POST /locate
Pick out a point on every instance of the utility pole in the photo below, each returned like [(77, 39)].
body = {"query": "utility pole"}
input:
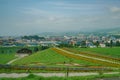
[(67, 71)]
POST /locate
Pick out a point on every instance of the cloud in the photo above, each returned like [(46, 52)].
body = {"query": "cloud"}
[(114, 12), (33, 11), (116, 17), (52, 18), (73, 6), (115, 9)]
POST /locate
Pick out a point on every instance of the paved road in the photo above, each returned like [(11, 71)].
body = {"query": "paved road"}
[(100, 59), (16, 75)]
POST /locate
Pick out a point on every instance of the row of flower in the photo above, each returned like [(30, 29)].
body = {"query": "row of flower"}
[(93, 55), (109, 64)]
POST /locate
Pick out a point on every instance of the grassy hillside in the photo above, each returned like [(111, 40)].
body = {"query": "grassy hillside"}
[(49, 57), (113, 52)]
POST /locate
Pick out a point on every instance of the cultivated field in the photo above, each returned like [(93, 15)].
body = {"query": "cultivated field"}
[(111, 52), (59, 59), (50, 58), (88, 57)]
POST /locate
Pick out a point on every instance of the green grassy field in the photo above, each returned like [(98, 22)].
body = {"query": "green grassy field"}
[(4, 58), (49, 57), (8, 53), (112, 52), (8, 50), (15, 49)]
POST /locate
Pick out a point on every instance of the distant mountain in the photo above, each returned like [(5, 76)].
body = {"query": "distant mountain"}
[(73, 33), (110, 31)]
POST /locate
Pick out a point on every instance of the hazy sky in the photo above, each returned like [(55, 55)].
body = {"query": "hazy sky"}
[(22, 17)]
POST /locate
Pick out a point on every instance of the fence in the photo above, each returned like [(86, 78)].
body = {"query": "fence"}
[(46, 68)]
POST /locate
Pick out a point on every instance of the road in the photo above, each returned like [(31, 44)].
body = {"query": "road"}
[(16, 75)]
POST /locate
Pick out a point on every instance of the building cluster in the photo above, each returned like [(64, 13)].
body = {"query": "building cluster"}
[(80, 40)]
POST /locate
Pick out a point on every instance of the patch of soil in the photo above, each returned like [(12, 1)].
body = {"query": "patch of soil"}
[(67, 64)]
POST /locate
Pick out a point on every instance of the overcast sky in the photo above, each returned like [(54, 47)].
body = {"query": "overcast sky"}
[(24, 17)]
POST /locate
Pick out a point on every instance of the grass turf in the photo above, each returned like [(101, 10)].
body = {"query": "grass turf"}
[(112, 52), (4, 58)]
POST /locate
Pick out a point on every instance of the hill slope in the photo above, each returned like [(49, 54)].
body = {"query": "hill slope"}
[(49, 57)]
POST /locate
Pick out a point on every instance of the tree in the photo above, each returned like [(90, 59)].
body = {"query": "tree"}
[(111, 43), (97, 43), (36, 37), (44, 47), (107, 44), (36, 49), (117, 43), (83, 44), (2, 51)]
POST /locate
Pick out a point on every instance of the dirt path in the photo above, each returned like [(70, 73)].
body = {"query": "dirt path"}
[(18, 57), (14, 60), (16, 75)]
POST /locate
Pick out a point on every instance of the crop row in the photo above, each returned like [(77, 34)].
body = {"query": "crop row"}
[(93, 55), (109, 64)]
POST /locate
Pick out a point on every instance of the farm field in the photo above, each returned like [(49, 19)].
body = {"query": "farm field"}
[(56, 58), (90, 58), (50, 57), (112, 52)]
